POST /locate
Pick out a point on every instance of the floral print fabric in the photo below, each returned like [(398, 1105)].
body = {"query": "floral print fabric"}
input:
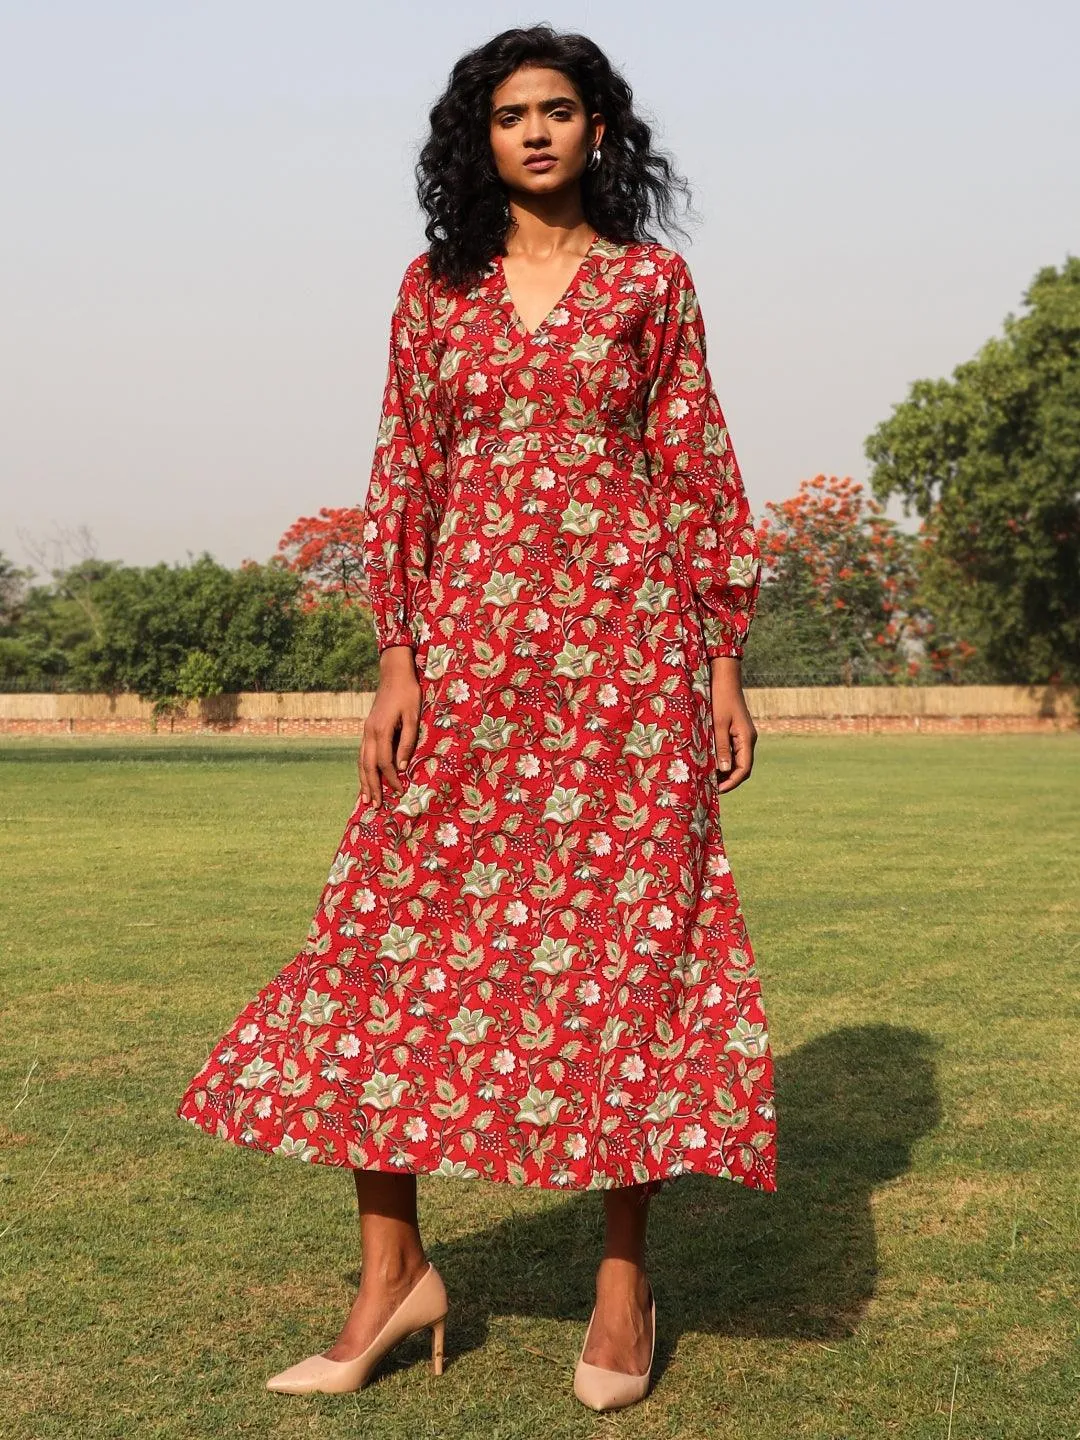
[(532, 966)]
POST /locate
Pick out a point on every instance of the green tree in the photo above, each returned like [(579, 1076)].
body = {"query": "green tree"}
[(52, 629), (13, 585), (181, 631), (333, 648), (991, 461), (154, 618)]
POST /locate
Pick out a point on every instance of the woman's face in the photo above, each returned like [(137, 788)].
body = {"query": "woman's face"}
[(541, 136)]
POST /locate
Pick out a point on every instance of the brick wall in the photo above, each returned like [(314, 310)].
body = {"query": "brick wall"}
[(927, 710)]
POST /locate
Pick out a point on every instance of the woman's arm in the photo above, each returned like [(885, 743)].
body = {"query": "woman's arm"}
[(405, 500), (697, 480)]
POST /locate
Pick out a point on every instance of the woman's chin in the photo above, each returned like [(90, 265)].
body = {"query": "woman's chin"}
[(548, 182)]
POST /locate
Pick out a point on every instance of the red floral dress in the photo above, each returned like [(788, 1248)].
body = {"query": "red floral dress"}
[(532, 966)]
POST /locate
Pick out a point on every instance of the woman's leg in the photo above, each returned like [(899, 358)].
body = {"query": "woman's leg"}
[(392, 1257), (620, 1336)]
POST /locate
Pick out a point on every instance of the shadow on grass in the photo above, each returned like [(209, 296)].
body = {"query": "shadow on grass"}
[(798, 1263)]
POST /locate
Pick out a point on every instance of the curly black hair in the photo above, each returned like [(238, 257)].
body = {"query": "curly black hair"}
[(459, 187)]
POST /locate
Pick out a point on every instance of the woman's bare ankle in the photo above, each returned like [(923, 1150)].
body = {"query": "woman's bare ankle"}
[(394, 1269)]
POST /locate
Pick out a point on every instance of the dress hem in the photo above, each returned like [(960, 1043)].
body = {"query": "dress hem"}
[(599, 1180)]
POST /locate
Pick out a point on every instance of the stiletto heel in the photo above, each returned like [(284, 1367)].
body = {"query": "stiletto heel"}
[(602, 1389), (425, 1305)]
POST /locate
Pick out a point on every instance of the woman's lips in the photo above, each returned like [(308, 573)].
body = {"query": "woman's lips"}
[(542, 162)]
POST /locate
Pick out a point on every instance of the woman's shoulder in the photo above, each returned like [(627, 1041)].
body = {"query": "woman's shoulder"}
[(421, 278), (416, 293), (648, 257), (418, 270)]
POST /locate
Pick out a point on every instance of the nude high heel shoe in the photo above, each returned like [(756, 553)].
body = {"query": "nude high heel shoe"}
[(425, 1305), (602, 1389)]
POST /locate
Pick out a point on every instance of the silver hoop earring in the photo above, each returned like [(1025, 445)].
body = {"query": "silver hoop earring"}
[(594, 160)]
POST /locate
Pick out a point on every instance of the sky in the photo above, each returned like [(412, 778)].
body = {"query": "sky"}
[(208, 207)]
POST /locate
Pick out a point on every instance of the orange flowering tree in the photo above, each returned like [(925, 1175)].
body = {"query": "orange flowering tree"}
[(839, 599), (325, 549)]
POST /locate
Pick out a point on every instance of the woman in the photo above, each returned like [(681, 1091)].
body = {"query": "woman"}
[(529, 963)]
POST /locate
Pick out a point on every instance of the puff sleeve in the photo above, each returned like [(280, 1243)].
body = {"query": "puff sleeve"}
[(407, 491), (692, 466)]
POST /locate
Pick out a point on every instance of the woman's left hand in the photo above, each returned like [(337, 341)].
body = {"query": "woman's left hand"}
[(735, 732)]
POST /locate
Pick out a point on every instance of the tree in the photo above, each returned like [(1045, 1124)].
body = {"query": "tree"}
[(991, 460), (837, 603), (333, 648), (181, 631), (74, 580), (327, 552), (13, 584), (155, 617)]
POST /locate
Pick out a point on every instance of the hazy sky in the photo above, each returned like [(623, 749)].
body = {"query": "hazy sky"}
[(207, 208)]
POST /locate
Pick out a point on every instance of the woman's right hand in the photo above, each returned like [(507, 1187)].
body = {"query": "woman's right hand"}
[(396, 703)]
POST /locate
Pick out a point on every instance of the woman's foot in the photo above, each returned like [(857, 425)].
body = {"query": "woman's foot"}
[(621, 1336), (383, 1286)]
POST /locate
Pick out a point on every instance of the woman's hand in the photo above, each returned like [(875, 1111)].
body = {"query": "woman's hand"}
[(734, 729), (396, 703)]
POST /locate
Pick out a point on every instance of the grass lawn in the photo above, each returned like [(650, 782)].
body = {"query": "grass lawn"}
[(913, 905)]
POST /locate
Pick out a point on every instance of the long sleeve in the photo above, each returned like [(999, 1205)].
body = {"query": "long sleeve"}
[(407, 491), (693, 469)]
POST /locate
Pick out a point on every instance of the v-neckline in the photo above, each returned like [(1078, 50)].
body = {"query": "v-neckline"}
[(571, 283)]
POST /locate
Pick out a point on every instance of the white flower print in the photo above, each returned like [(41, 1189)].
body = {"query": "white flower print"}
[(527, 968)]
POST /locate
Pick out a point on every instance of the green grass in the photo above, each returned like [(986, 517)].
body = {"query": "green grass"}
[(912, 903)]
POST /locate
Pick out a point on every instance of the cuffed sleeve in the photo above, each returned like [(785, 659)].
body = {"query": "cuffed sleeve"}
[(694, 473)]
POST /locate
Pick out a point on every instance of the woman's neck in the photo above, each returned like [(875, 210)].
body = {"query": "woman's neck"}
[(540, 226)]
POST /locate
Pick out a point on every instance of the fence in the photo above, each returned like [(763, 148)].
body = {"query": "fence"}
[(937, 709)]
